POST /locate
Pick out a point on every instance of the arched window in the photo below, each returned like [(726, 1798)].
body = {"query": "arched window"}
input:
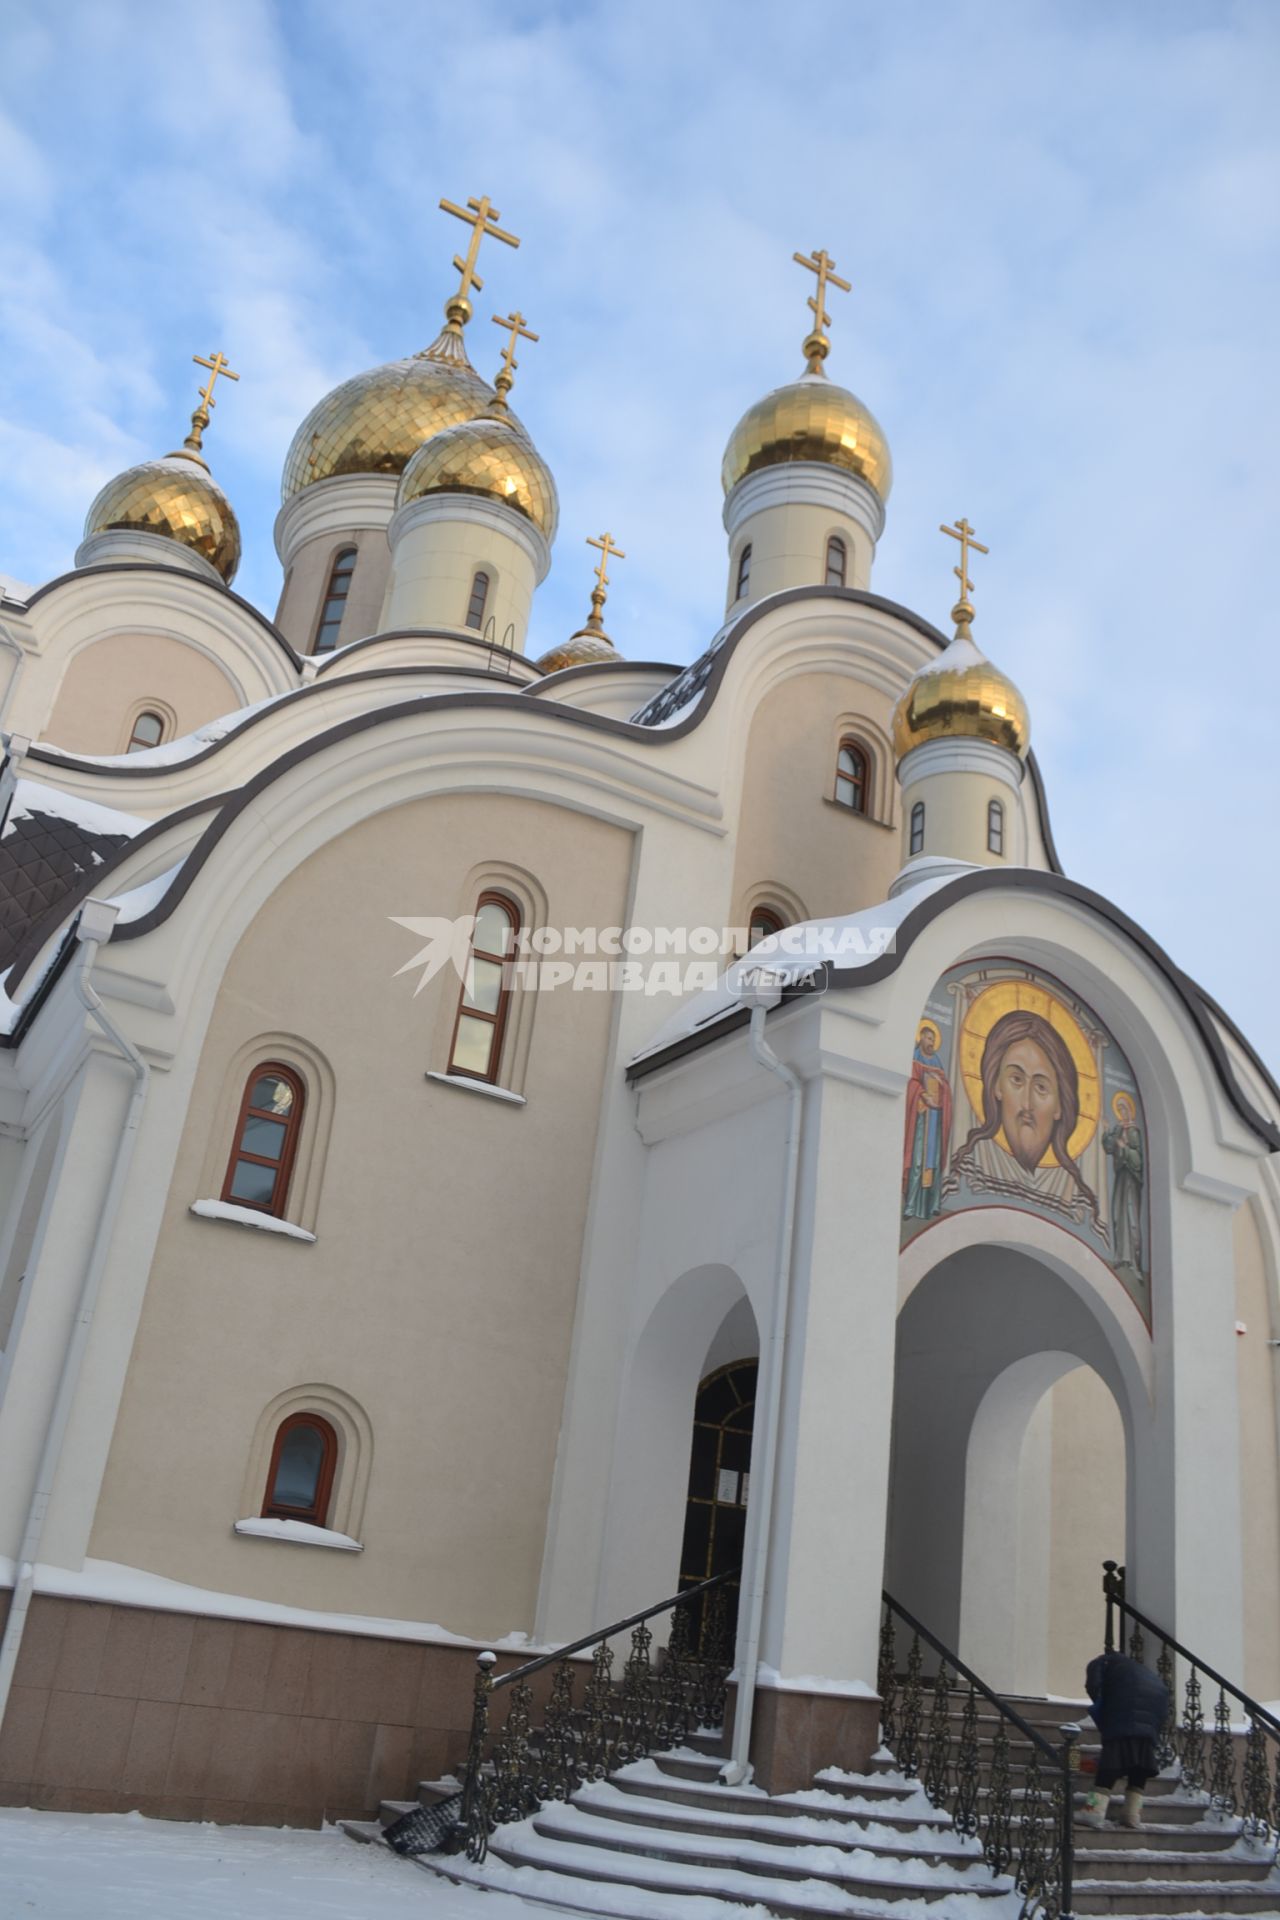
[(300, 1477), (744, 573), (852, 776), (837, 555), (266, 1139), (482, 1004), (995, 826), (148, 731), (917, 827), (765, 921), (335, 600), (479, 597)]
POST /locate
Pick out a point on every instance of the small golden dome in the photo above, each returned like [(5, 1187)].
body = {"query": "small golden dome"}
[(493, 458), (584, 649), (811, 419), (375, 422), (961, 695), (178, 498)]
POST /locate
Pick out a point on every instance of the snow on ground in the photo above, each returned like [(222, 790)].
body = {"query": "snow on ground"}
[(120, 1866)]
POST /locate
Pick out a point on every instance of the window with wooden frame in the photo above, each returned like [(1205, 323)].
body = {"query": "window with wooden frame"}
[(478, 601), (837, 561), (476, 1049), (148, 731), (853, 776), (266, 1140), (744, 573), (300, 1477), (916, 843), (995, 826), (764, 922), (335, 600)]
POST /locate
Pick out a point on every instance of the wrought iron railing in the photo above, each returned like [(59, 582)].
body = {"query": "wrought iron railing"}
[(512, 1771), (1253, 1789), (1024, 1831)]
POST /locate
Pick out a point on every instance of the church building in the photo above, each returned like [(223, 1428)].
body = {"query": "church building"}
[(487, 1142)]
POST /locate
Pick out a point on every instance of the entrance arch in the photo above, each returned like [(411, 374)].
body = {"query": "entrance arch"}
[(995, 1350)]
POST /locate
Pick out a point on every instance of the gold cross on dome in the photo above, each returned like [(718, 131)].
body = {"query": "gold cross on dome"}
[(483, 219), (607, 548), (824, 266), (961, 530), (514, 323), (219, 364)]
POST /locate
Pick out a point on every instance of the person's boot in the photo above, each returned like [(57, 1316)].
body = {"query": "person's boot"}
[(1131, 1812), (1094, 1812)]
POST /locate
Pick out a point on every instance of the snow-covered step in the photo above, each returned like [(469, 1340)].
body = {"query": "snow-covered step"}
[(1164, 1899), (769, 1821), (904, 1801), (562, 1893), (1167, 1837), (1116, 1864)]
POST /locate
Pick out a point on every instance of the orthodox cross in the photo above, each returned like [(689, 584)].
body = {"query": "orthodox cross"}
[(515, 325), (821, 263), (482, 219), (962, 612), (219, 364), (607, 550)]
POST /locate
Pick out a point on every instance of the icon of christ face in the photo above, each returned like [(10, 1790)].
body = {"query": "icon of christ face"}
[(1030, 1101)]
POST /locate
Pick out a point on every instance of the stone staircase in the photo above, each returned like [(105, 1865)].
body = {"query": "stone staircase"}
[(663, 1838)]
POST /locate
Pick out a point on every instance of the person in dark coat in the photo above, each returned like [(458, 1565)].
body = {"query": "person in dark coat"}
[(1129, 1706)]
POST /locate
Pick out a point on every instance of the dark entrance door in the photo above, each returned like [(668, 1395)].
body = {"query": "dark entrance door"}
[(719, 1477)]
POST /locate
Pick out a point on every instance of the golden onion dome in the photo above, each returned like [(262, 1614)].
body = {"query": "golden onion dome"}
[(583, 649), (492, 458), (176, 497), (811, 419), (960, 695), (376, 421)]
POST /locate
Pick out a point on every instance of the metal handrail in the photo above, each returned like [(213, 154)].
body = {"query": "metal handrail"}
[(610, 1633), (954, 1660), (1256, 1712)]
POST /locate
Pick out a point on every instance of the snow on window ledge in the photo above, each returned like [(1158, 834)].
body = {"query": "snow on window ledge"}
[(300, 1532), (248, 1217), (478, 1086)]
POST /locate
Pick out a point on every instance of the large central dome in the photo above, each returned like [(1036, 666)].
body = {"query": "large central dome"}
[(376, 421)]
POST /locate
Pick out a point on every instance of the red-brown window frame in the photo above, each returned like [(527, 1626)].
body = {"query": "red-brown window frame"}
[(317, 1514), (147, 713), (861, 786), (743, 581), (475, 614), (995, 827), (758, 916), (841, 546), (292, 1125), (342, 567), (498, 1020)]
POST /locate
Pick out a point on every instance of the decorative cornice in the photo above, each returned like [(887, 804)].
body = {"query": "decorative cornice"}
[(805, 483), (345, 503), (477, 511), (132, 547), (960, 755)]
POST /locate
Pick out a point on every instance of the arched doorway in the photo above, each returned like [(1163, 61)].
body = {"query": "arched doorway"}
[(719, 1476)]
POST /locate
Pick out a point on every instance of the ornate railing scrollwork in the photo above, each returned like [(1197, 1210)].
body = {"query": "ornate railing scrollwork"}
[(654, 1704), (1026, 1831)]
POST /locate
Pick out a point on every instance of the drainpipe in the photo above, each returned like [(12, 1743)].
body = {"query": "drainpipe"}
[(15, 647), (738, 1767), (97, 917), (16, 748)]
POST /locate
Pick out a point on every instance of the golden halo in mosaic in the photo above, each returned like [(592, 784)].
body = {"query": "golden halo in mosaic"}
[(493, 459), (176, 497), (811, 419), (583, 649), (376, 421), (962, 696)]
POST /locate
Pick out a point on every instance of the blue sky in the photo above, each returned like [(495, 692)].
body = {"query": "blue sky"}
[(1061, 225)]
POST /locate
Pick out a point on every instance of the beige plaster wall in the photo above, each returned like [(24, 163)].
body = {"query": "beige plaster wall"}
[(1259, 1474), (1088, 1510), (440, 1292), (789, 549), (307, 582), (432, 571), (791, 830), (107, 684), (955, 817)]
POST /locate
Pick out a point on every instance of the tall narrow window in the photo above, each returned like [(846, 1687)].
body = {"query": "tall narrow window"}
[(266, 1139), (765, 921), (836, 559), (917, 827), (300, 1477), (482, 1005), (852, 770), (479, 597), (148, 731), (995, 826), (744, 573), (335, 600)]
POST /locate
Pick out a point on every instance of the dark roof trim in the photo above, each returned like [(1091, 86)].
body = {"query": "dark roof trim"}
[(562, 674), (1006, 880), (152, 566), (489, 647)]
